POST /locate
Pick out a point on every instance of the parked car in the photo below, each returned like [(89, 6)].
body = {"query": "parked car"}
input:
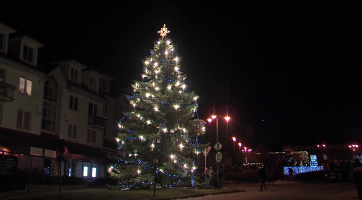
[(338, 173)]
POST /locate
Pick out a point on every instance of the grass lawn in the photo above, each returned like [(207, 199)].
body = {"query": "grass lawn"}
[(105, 194)]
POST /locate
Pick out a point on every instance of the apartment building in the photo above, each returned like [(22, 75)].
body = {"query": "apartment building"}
[(21, 97), (65, 104)]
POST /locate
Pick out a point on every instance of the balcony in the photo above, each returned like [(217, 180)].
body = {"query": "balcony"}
[(6, 92), (97, 121)]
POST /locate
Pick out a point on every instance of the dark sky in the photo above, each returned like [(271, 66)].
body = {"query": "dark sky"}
[(295, 65)]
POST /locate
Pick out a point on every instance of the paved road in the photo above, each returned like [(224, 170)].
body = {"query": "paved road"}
[(296, 191)]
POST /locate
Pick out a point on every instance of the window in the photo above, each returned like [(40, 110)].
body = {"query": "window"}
[(105, 108), (73, 102), (23, 120), (94, 172), (2, 41), (73, 74), (1, 111), (85, 171), (103, 131), (49, 104), (93, 83), (2, 75), (92, 109), (2, 79), (91, 136), (104, 84), (72, 131), (28, 53), (25, 86)]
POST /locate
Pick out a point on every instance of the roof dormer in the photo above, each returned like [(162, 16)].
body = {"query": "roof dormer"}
[(4, 37), (25, 48), (72, 70), (104, 84)]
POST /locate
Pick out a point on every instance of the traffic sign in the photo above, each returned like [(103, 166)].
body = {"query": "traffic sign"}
[(287, 149), (218, 157), (219, 146), (206, 151)]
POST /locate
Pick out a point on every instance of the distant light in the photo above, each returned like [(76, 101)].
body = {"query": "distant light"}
[(262, 120), (209, 120), (227, 118), (234, 139), (213, 116)]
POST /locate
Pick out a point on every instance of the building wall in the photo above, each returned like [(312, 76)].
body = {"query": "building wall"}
[(32, 104)]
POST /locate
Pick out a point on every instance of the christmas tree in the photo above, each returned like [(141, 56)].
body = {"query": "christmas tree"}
[(163, 125)]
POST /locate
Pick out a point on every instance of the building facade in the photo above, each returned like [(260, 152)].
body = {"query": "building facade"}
[(59, 119)]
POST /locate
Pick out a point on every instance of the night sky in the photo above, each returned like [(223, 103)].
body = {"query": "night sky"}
[(285, 70)]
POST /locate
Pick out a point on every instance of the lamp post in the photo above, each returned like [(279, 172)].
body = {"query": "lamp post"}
[(353, 147), (213, 116), (234, 139), (239, 146)]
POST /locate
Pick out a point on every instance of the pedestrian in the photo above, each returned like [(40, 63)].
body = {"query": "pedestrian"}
[(211, 174), (262, 177), (357, 176)]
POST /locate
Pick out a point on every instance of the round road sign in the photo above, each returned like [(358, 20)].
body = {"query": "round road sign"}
[(288, 149)]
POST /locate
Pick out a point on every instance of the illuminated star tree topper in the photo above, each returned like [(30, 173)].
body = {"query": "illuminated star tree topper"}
[(163, 32)]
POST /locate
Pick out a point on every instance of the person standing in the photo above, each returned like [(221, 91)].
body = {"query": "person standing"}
[(211, 173), (357, 176), (262, 177)]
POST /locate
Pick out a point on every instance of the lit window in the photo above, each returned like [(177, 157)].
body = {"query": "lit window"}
[(73, 102), (72, 131), (70, 172), (25, 86), (23, 120), (28, 53), (91, 136), (73, 74), (94, 172), (2, 41), (85, 171)]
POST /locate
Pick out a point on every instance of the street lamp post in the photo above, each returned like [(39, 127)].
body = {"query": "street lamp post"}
[(353, 147), (234, 139), (213, 116)]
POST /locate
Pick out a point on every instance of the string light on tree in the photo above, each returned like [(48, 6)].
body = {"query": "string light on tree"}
[(152, 129)]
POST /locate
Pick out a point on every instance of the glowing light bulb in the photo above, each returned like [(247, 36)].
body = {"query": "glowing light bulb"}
[(117, 139), (138, 116), (168, 42), (158, 42), (165, 130), (141, 137), (166, 52), (176, 69), (185, 166), (203, 129), (147, 95), (134, 105), (184, 130), (157, 88), (176, 106), (146, 70), (183, 86), (156, 64), (136, 85), (195, 98), (156, 71), (156, 109), (172, 156), (146, 62), (169, 87), (181, 146), (176, 59), (172, 49), (139, 172), (152, 145), (148, 121), (177, 83)]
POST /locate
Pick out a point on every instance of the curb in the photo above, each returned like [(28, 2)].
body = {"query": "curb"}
[(199, 195)]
